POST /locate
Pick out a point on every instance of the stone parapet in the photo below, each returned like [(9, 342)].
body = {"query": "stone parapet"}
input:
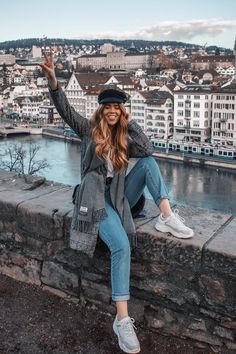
[(184, 288)]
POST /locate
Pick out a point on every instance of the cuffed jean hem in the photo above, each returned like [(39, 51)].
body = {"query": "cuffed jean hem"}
[(120, 297), (160, 199)]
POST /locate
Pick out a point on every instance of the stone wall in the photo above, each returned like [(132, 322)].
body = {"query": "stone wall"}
[(184, 288)]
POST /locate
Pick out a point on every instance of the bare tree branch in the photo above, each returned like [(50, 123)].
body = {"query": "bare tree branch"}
[(23, 161)]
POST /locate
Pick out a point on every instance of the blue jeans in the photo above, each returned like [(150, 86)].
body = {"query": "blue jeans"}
[(145, 173)]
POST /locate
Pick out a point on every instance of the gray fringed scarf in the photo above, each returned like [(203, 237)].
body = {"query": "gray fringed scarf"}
[(89, 207)]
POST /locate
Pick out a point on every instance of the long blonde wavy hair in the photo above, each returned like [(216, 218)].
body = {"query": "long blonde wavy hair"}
[(113, 141)]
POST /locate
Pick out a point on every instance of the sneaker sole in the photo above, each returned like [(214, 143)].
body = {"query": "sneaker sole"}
[(164, 228), (122, 346)]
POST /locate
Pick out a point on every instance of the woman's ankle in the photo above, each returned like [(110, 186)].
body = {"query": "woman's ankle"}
[(120, 317), (122, 309)]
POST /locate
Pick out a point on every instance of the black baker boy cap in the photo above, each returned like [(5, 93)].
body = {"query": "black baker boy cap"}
[(112, 96)]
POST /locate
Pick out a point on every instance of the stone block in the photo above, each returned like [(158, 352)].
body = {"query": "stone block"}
[(159, 270), (56, 276), (220, 252), (6, 236), (149, 212), (12, 194), (230, 345), (21, 268), (39, 217), (228, 323), (223, 332), (198, 325), (210, 314), (219, 292), (91, 302), (71, 259), (67, 223), (136, 308), (212, 288), (53, 247), (10, 226), (139, 270), (164, 248), (164, 291), (96, 291), (56, 292), (205, 337), (93, 277), (163, 320), (172, 274), (181, 324)]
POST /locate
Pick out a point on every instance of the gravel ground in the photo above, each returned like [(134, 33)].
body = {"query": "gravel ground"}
[(33, 321)]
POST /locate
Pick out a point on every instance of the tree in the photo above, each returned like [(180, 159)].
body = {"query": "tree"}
[(23, 160)]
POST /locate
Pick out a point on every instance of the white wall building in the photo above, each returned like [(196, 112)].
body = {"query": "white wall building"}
[(30, 106), (229, 71), (82, 89), (76, 95), (36, 52), (7, 59), (48, 114), (107, 48), (153, 111), (224, 116), (137, 109), (115, 61), (192, 114), (91, 103)]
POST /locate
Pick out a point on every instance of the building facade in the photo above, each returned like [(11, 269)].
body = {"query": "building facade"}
[(224, 116), (206, 62), (153, 111), (7, 59), (192, 114), (123, 61)]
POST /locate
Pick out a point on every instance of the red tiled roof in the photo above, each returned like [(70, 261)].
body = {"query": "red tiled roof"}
[(91, 79)]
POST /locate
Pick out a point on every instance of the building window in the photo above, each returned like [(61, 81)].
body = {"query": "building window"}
[(196, 123)]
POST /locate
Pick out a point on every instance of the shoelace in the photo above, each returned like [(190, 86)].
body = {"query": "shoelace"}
[(180, 218), (129, 326)]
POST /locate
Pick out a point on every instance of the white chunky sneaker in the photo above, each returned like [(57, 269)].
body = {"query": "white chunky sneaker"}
[(127, 338), (174, 224)]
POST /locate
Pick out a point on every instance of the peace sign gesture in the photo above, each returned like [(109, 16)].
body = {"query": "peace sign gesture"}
[(48, 69)]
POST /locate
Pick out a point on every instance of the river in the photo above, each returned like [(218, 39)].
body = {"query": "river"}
[(191, 185)]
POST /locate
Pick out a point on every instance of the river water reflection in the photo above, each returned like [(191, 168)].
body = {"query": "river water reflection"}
[(191, 185)]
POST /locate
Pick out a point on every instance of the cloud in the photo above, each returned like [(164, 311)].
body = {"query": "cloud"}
[(171, 30)]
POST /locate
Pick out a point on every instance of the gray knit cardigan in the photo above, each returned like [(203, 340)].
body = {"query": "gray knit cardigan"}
[(89, 208)]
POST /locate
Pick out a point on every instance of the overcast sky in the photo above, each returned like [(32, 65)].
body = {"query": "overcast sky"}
[(193, 21)]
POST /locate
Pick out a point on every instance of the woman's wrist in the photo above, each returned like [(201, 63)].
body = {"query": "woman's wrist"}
[(53, 84)]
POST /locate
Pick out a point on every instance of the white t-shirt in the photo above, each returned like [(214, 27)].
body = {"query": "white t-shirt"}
[(110, 168)]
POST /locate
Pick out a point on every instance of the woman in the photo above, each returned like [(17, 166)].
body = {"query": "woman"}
[(107, 193)]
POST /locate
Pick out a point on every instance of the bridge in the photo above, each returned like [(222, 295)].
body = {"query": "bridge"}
[(4, 132)]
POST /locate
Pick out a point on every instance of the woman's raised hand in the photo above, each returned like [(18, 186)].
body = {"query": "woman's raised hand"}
[(48, 69)]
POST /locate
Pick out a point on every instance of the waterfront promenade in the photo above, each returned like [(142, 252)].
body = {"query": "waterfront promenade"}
[(170, 155), (197, 160)]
